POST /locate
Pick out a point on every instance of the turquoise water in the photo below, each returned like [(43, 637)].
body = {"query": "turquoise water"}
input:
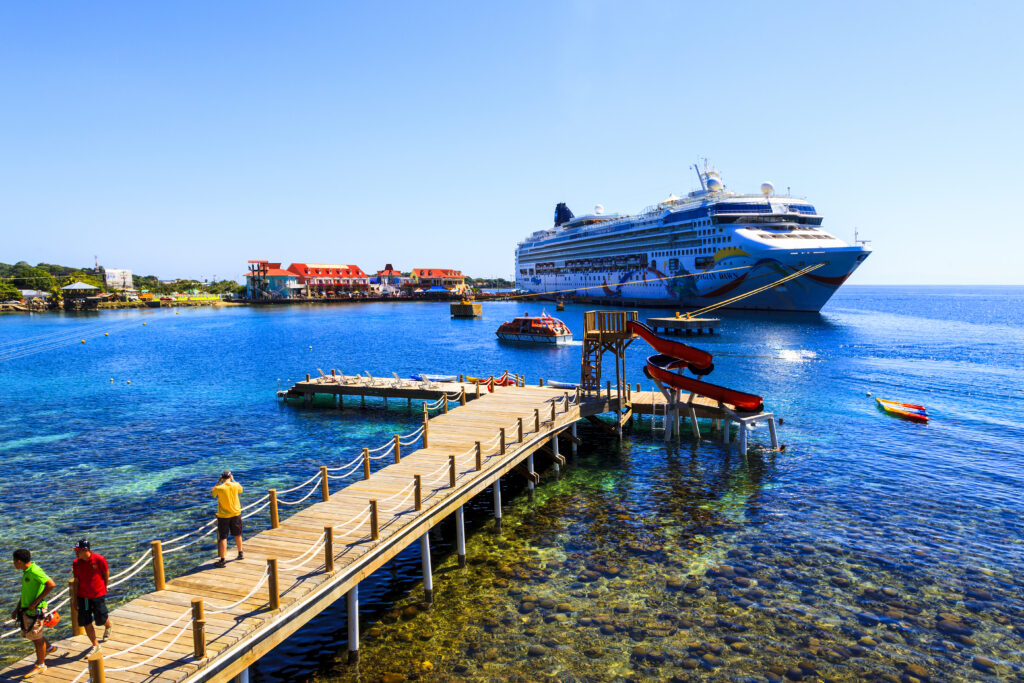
[(871, 547)]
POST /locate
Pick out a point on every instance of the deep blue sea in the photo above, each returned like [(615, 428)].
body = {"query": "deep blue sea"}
[(872, 548)]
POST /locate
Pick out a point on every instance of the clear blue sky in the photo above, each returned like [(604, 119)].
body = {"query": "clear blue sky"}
[(182, 139)]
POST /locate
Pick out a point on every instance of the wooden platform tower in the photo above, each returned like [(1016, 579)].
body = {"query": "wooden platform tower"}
[(606, 331)]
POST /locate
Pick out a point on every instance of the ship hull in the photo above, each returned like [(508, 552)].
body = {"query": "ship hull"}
[(728, 278)]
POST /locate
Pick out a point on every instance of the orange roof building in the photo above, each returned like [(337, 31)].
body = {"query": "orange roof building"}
[(438, 277), (327, 277)]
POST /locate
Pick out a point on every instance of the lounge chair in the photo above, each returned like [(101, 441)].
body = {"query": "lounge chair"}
[(399, 382)]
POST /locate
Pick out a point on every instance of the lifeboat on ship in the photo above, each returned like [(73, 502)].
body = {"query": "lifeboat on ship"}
[(542, 329)]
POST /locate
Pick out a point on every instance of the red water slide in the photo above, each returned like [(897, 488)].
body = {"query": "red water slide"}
[(674, 355)]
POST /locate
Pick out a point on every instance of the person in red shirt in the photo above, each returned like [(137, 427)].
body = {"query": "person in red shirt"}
[(92, 573)]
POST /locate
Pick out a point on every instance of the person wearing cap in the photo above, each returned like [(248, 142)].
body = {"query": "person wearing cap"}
[(35, 586), (92, 573), (229, 515)]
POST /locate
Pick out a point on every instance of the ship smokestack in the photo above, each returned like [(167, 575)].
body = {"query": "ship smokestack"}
[(562, 214)]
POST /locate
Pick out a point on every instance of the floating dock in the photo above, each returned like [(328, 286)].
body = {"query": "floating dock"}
[(684, 325), (466, 309)]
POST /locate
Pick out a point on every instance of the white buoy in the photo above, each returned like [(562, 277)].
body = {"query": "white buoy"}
[(111, 380), (869, 393), (310, 348)]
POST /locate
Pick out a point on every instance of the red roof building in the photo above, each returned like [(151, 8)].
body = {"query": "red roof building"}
[(438, 277), (324, 278)]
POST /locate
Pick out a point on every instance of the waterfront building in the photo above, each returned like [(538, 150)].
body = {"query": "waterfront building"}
[(425, 278), (266, 280), (118, 278), (79, 295), (388, 281), (326, 279)]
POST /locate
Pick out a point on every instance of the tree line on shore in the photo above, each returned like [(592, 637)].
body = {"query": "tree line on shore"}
[(49, 277)]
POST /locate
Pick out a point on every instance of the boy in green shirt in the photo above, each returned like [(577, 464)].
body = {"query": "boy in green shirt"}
[(35, 586)]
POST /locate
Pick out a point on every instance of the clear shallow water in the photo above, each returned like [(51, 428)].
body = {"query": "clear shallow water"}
[(870, 547)]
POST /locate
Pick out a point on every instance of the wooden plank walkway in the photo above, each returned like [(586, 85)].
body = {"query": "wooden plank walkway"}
[(158, 625)]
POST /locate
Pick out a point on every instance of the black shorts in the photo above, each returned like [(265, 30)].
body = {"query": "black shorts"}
[(229, 526), (92, 611)]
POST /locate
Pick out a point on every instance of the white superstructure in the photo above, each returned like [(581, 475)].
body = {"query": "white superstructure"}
[(692, 251)]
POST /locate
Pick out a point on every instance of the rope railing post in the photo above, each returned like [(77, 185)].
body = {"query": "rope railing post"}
[(158, 565), (540, 382), (565, 400), (198, 629), (76, 628), (501, 443), (552, 412), (366, 463), (275, 519), (477, 388), (96, 674), (451, 471), (275, 593), (577, 394), (426, 425), (329, 549), (462, 396), (374, 522), (444, 402), (479, 456), (398, 448), (520, 423), (325, 492), (418, 495), (536, 419)]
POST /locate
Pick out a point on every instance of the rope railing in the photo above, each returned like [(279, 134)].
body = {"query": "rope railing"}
[(316, 485), (168, 551), (355, 465), (311, 552), (357, 459), (134, 569), (303, 484), (257, 510), (388, 450), (411, 486), (259, 584), (355, 523), (131, 648), (412, 437)]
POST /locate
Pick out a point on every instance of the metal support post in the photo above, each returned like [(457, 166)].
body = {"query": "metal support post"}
[(460, 536), (428, 577)]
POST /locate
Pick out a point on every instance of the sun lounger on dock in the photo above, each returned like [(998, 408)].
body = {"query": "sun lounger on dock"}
[(399, 382), (375, 381)]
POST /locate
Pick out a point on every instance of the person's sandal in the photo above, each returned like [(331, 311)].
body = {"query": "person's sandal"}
[(106, 633), (36, 670)]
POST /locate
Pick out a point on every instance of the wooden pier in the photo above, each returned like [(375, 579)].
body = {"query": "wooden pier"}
[(212, 624), (681, 324)]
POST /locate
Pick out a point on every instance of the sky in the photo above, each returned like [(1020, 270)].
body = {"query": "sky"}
[(183, 139)]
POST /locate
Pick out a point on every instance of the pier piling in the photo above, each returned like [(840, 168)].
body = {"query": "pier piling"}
[(275, 521), (398, 448), (366, 463), (428, 576), (325, 492), (272, 584), (352, 602), (198, 629), (460, 536)]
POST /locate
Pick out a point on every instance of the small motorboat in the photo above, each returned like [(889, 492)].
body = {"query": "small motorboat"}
[(435, 378), (560, 306), (908, 411), (542, 329)]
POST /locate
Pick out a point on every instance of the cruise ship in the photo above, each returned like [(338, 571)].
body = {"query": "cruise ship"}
[(709, 247)]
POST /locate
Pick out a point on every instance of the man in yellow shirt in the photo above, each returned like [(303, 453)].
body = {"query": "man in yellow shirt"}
[(229, 515)]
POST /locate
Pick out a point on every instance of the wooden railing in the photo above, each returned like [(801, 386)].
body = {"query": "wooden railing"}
[(607, 325)]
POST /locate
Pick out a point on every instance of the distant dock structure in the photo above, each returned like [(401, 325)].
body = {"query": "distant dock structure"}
[(681, 324)]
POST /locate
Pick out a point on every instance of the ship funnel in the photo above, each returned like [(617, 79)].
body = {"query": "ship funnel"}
[(562, 214)]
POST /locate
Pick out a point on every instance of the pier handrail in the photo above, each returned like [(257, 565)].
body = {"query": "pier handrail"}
[(259, 584), (412, 436), (312, 490), (354, 465), (317, 544), (296, 488), (388, 449)]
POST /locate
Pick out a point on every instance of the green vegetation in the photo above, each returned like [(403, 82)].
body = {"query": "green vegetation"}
[(490, 283), (9, 292), (50, 278)]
